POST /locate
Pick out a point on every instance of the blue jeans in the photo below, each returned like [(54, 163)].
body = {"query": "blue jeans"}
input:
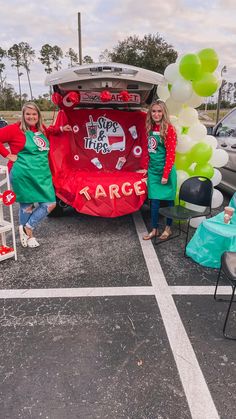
[(31, 215), (155, 205)]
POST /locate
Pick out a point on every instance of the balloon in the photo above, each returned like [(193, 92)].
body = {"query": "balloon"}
[(204, 170), (56, 98), (163, 92), (188, 116), (173, 107), (184, 143), (201, 152), (171, 72), (217, 177), (182, 161), (181, 90), (195, 222), (194, 101), (212, 141), (217, 198), (190, 67), (205, 86), (191, 168), (197, 131), (219, 158), (182, 175), (209, 59)]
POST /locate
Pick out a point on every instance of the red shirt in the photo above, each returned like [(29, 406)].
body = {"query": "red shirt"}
[(170, 145), (15, 137)]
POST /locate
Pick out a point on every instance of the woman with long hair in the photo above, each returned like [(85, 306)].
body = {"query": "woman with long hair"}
[(162, 180), (29, 169)]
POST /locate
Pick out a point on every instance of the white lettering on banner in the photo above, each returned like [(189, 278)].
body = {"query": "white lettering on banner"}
[(115, 191), (94, 97)]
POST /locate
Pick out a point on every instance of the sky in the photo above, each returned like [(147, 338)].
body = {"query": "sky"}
[(188, 25)]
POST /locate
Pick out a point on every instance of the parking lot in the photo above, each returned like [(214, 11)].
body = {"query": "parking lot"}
[(97, 323)]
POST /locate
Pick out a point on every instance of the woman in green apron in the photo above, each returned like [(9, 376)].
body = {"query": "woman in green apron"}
[(29, 169), (162, 179)]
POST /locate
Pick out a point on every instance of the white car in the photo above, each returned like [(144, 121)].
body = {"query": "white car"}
[(225, 133)]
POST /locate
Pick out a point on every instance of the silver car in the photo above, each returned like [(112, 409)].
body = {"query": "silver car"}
[(225, 133)]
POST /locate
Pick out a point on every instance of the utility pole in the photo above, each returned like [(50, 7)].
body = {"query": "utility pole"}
[(79, 39), (223, 70)]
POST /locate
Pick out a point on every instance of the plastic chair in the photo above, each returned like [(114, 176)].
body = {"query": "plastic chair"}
[(228, 266), (196, 190)]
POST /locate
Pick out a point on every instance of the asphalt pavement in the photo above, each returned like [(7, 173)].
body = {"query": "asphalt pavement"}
[(96, 323)]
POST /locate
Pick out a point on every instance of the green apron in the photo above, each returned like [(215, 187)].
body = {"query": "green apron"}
[(157, 154), (31, 175)]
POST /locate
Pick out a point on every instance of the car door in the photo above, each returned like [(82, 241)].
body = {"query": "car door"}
[(225, 133)]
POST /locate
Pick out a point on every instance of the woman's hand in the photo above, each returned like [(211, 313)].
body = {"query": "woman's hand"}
[(164, 181), (66, 128), (12, 157)]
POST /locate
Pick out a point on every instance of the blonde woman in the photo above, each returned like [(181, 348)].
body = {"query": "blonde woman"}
[(161, 169), (29, 169)]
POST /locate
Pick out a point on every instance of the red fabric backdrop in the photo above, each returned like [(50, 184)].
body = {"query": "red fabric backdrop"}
[(95, 167)]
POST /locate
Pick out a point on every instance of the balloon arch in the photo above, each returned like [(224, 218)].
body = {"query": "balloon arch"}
[(186, 83)]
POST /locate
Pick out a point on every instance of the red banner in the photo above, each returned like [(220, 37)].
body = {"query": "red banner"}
[(96, 167)]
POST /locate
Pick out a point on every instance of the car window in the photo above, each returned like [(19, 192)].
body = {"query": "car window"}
[(227, 127)]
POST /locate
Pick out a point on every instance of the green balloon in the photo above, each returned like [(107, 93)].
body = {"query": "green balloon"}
[(206, 86), (190, 67), (209, 59), (204, 170), (201, 153), (182, 161)]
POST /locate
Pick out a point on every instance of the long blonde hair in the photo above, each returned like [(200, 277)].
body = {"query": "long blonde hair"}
[(165, 121), (31, 105)]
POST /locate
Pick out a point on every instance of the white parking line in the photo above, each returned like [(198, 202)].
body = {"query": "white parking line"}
[(75, 292), (107, 291), (197, 393)]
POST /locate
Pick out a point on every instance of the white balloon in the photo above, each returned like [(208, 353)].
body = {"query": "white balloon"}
[(217, 177), (173, 107), (217, 199), (219, 158), (174, 120), (163, 92), (195, 222), (184, 143), (197, 131), (209, 139), (181, 177), (171, 72), (194, 101), (188, 116), (181, 90)]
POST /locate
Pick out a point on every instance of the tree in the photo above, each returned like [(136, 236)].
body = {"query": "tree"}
[(9, 100), (50, 57), (27, 57), (14, 54), (151, 52), (87, 59), (2, 68), (105, 56), (73, 57), (56, 56)]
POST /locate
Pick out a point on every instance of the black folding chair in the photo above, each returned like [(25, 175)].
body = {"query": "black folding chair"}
[(228, 267), (196, 190)]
